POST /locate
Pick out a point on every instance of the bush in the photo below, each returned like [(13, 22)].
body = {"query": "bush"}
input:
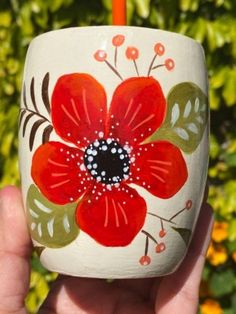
[(213, 24)]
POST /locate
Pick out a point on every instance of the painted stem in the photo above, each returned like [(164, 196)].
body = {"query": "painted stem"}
[(136, 67), (119, 12), (115, 58), (151, 65), (149, 236), (164, 219), (175, 215), (36, 113), (157, 66), (113, 69), (146, 245)]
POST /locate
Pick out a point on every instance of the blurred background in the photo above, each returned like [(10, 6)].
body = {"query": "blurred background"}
[(210, 22)]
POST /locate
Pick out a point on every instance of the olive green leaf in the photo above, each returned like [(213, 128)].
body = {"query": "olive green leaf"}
[(50, 225), (186, 118), (184, 233), (39, 250)]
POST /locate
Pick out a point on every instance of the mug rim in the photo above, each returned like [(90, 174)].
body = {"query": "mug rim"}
[(118, 27)]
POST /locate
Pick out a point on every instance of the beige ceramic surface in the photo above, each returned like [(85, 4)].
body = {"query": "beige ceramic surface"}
[(74, 51)]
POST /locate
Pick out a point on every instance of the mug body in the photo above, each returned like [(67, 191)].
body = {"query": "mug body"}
[(113, 132)]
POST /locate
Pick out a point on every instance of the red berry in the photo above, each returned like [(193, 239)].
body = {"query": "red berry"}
[(132, 53), (169, 64), (145, 260), (100, 55), (188, 204), (160, 247), (162, 233), (159, 49), (118, 40)]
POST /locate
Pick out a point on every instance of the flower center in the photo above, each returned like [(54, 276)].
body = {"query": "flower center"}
[(107, 161)]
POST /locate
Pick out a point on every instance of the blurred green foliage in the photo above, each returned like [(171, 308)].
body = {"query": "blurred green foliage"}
[(213, 24)]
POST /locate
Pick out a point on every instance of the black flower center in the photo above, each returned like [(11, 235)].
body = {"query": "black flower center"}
[(107, 161)]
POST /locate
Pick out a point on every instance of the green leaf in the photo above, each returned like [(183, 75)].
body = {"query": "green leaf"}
[(186, 117), (184, 233), (143, 8), (50, 225), (222, 283)]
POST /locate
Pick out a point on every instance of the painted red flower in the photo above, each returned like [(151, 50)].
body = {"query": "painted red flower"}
[(106, 153)]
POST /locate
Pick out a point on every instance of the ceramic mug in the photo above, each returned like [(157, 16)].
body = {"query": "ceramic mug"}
[(113, 134)]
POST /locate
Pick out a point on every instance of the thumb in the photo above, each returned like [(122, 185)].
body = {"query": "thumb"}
[(15, 250)]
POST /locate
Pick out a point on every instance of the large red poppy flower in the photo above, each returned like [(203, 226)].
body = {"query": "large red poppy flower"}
[(106, 155)]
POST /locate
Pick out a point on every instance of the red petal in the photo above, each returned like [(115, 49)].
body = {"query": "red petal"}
[(113, 218), (137, 109), (160, 168), (78, 108), (59, 172)]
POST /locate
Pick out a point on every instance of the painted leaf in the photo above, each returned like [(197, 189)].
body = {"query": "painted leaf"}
[(39, 250), (50, 225), (184, 233), (186, 117)]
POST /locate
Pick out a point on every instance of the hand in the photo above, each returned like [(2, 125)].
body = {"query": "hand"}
[(176, 293)]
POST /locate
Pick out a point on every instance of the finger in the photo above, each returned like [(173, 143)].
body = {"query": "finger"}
[(178, 293), (15, 248)]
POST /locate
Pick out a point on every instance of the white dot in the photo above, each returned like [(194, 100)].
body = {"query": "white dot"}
[(103, 173), (101, 110), (96, 143), (138, 169), (114, 179), (68, 153), (73, 156), (125, 169), (137, 178), (104, 147), (67, 159), (95, 166), (117, 123), (98, 179), (152, 145), (124, 202), (122, 156), (109, 140), (149, 186), (89, 201), (117, 185), (90, 158), (89, 151), (108, 187), (149, 129), (94, 152), (120, 150), (89, 166), (68, 134), (100, 134), (112, 116), (126, 176), (82, 167), (93, 172), (61, 149), (71, 199), (113, 150), (132, 159)]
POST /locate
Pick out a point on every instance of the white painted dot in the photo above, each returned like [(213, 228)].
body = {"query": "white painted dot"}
[(120, 150), (113, 150), (117, 123), (132, 159), (103, 173), (100, 134), (71, 199), (124, 202), (122, 156), (104, 147), (99, 179), (149, 186), (68, 153), (67, 159), (94, 152), (89, 201), (61, 149), (131, 196), (90, 158), (82, 167), (137, 178), (109, 140), (89, 166), (89, 151), (95, 166), (96, 143), (112, 116), (108, 187), (117, 185), (78, 142), (72, 156), (152, 145), (93, 172), (68, 134), (85, 138), (138, 169), (126, 176), (114, 179)]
